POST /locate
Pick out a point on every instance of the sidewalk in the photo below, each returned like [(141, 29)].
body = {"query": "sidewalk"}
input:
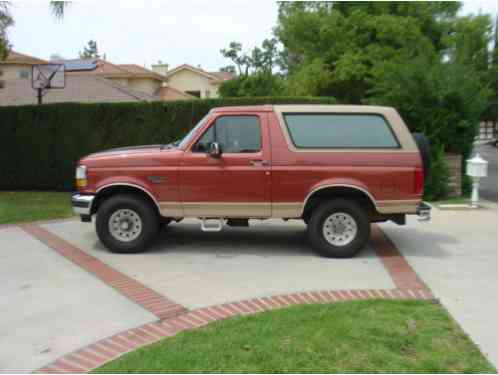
[(456, 254)]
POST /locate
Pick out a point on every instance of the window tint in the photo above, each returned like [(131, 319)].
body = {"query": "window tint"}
[(235, 134), (340, 131)]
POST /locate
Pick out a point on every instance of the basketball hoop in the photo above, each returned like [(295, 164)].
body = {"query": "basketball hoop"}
[(47, 76)]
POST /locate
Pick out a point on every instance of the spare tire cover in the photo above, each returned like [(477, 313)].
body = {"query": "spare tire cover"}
[(423, 145)]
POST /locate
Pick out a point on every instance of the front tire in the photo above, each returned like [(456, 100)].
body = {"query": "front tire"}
[(339, 228), (126, 223)]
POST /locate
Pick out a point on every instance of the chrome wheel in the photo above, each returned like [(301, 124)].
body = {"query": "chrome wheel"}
[(125, 225), (339, 229)]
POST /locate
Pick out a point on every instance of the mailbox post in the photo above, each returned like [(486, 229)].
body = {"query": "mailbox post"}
[(477, 168)]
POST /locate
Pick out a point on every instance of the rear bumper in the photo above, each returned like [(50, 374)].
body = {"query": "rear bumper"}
[(82, 204), (424, 211)]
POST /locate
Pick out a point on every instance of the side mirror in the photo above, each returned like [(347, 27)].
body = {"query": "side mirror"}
[(215, 150)]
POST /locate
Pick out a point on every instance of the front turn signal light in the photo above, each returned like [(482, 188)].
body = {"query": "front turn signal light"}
[(81, 181)]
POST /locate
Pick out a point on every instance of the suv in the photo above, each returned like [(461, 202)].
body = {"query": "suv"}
[(338, 168)]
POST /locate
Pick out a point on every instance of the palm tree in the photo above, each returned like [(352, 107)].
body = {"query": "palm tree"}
[(58, 8)]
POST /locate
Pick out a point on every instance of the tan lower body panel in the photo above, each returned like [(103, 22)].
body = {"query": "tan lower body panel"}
[(398, 207), (263, 209)]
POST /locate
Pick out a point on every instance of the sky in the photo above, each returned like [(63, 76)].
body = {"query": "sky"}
[(144, 32)]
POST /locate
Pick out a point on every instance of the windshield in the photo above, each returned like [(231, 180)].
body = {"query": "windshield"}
[(183, 142)]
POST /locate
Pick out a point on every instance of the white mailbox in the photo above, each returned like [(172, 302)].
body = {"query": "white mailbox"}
[(477, 168)]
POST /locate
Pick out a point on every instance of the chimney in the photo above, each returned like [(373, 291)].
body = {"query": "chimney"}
[(160, 68)]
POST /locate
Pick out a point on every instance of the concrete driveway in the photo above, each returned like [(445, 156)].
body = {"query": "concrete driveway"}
[(68, 300), (456, 254), (200, 269), (62, 291), (49, 306)]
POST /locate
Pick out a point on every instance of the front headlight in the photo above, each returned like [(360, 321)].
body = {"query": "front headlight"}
[(81, 176)]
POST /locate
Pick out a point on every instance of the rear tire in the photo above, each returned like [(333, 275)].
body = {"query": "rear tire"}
[(126, 223), (339, 228)]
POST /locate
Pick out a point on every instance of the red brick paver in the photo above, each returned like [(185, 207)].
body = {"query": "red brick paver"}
[(103, 351), (401, 272)]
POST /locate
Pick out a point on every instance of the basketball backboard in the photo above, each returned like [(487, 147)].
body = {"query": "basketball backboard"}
[(48, 76)]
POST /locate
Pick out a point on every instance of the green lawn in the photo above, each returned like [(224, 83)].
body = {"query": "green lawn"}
[(17, 207), (455, 200), (361, 336)]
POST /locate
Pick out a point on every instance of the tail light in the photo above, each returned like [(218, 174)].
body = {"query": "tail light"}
[(419, 181)]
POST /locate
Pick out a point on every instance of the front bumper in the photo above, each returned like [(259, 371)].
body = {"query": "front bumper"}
[(424, 211), (82, 204)]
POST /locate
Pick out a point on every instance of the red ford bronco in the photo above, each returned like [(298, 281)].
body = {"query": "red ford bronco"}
[(338, 168)]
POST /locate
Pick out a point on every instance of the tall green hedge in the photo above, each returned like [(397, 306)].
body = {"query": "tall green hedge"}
[(40, 145)]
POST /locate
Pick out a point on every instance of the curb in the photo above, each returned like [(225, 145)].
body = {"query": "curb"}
[(103, 351)]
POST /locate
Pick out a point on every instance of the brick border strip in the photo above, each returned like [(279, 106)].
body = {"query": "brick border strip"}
[(394, 262), (103, 351), (157, 304)]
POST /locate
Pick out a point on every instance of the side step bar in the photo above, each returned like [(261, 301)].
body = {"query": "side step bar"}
[(211, 225)]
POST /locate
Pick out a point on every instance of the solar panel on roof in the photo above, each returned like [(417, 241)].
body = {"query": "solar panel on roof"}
[(79, 65)]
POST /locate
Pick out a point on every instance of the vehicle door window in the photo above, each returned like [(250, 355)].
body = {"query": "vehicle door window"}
[(234, 134)]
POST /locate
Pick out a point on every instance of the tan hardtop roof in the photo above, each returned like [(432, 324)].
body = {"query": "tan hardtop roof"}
[(307, 108)]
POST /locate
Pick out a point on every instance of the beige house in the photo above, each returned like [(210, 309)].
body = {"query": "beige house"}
[(193, 81), (85, 82), (98, 80)]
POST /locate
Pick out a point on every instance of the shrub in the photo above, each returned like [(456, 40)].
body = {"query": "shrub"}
[(443, 101), (436, 187), (42, 144)]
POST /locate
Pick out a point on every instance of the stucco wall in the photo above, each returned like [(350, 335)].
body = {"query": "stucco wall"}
[(147, 85), (12, 72), (185, 80)]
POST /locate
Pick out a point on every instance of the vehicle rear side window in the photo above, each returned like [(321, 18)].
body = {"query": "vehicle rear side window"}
[(235, 134), (340, 131)]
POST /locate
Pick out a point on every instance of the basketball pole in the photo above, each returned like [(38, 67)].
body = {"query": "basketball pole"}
[(39, 96)]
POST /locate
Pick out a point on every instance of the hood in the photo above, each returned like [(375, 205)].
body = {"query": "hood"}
[(127, 150), (137, 156)]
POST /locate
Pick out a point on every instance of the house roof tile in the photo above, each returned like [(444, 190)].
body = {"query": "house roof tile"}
[(19, 58)]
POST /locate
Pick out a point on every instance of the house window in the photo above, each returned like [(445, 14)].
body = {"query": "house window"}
[(2, 84), (24, 74), (208, 94), (194, 93)]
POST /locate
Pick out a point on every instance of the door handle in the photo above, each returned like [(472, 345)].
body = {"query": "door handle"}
[(259, 163)]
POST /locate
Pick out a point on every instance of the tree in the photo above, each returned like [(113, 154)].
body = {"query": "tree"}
[(255, 69), (90, 51), (443, 100), (228, 69), (58, 8), (353, 40), (241, 60), (257, 84), (468, 42), (5, 22)]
